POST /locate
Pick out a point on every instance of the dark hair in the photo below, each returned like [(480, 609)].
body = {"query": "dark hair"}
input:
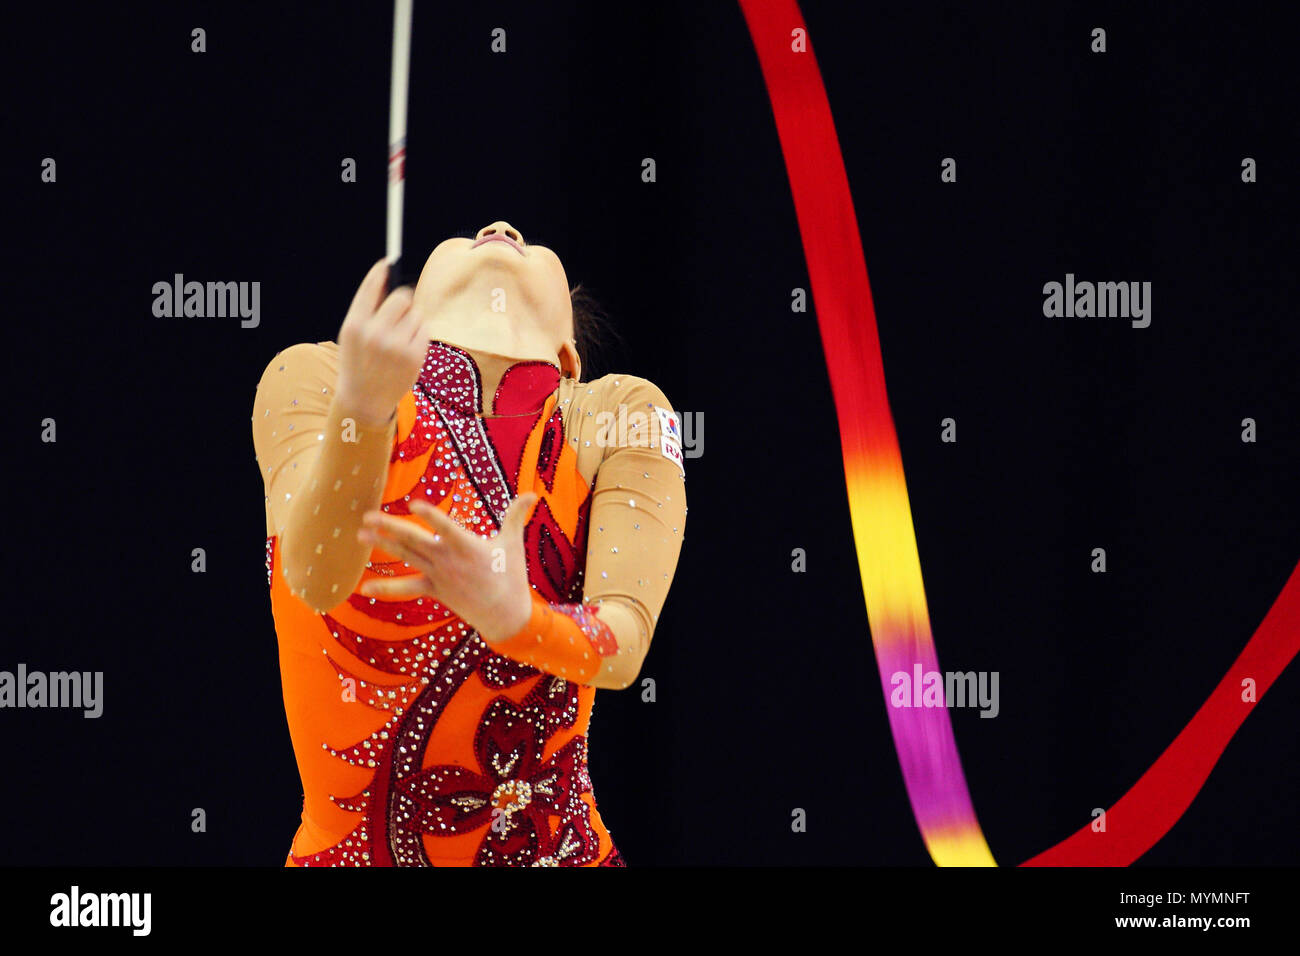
[(592, 329)]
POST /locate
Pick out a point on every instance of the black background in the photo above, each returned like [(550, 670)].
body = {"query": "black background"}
[(1073, 434)]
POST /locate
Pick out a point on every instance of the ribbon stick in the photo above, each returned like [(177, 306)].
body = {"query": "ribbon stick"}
[(397, 128)]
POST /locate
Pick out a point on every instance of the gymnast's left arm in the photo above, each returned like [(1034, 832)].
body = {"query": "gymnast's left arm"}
[(634, 538)]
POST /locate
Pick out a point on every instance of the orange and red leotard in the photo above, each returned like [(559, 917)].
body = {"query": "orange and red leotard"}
[(416, 742)]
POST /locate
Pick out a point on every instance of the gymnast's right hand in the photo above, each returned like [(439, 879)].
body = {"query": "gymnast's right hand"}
[(380, 349)]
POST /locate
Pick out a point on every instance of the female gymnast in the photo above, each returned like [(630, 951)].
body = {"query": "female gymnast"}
[(464, 541)]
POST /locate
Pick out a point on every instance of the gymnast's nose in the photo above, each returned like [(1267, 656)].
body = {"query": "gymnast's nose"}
[(501, 227)]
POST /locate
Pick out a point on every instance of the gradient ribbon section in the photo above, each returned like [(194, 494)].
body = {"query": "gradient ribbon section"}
[(878, 503)]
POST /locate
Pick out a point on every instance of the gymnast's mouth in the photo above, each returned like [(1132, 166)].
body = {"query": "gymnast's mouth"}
[(499, 238)]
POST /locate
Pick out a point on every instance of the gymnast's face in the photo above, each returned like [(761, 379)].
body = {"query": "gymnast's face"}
[(499, 271)]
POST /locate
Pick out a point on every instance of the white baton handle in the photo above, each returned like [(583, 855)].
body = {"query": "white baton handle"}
[(397, 126)]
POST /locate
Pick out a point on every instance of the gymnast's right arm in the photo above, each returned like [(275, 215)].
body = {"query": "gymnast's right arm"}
[(324, 419)]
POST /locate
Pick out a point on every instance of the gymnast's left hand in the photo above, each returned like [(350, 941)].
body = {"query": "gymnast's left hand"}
[(483, 581)]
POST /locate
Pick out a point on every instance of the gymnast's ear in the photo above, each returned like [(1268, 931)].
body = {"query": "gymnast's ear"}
[(570, 363)]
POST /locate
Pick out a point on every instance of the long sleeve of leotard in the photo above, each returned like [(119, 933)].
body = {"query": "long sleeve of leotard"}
[(636, 527), (322, 472)]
